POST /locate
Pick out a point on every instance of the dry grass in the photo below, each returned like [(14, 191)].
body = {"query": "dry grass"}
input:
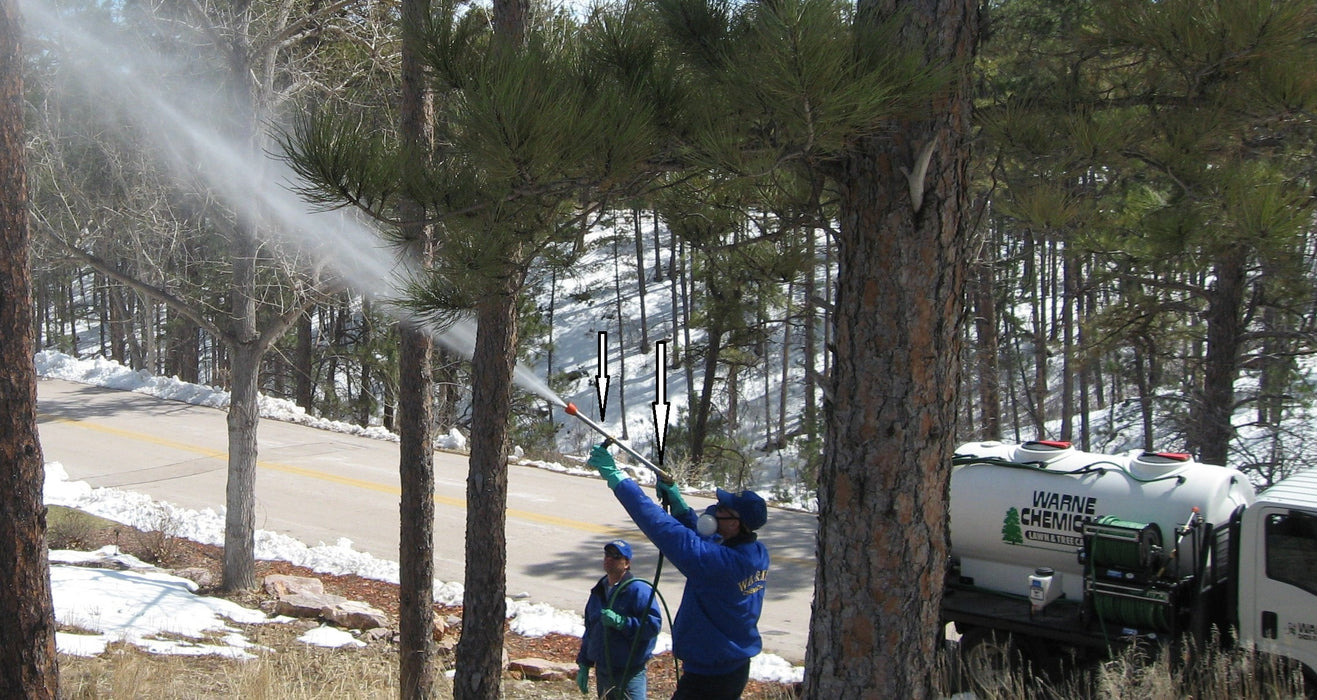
[(1213, 673), (284, 668)]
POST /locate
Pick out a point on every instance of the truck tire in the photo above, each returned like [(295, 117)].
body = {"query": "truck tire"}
[(989, 662)]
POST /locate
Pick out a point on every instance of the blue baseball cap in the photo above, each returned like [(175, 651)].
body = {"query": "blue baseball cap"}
[(621, 546), (748, 505)]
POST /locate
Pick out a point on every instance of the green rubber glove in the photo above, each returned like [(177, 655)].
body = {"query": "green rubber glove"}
[(669, 494), (612, 619), (583, 678), (602, 461)]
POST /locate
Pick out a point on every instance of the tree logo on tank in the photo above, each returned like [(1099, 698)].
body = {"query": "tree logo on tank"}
[(1010, 527)]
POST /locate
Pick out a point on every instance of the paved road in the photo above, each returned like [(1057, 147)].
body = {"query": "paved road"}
[(319, 486)]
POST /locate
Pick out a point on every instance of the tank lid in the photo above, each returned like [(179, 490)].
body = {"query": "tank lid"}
[(1162, 460), (1042, 450)]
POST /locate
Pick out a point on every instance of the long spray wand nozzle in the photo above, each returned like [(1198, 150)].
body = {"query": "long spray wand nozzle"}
[(662, 475)]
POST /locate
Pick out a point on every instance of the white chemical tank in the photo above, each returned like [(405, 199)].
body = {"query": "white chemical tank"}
[(1016, 508)]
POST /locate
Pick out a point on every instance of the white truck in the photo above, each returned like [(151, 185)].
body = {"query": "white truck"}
[(1057, 552)]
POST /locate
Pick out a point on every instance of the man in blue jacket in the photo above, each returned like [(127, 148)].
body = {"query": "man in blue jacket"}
[(622, 619), (716, 632)]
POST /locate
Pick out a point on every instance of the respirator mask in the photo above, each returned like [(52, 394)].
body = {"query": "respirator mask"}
[(707, 523)]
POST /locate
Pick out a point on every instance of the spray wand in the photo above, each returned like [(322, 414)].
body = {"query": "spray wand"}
[(662, 475)]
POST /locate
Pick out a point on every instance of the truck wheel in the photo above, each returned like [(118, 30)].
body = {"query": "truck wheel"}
[(989, 661)]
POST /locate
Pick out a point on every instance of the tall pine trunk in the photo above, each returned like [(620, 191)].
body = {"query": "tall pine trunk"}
[(699, 432), (785, 377), (1070, 272), (810, 309), (416, 407), (28, 665), (480, 649), (986, 350), (416, 508), (882, 538), (1225, 329), (1035, 276), (641, 282), (621, 339)]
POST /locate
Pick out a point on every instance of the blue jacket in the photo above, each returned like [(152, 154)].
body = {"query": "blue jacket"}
[(612, 648), (717, 625)]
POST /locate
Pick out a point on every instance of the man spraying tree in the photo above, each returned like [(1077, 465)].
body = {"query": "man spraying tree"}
[(716, 631)]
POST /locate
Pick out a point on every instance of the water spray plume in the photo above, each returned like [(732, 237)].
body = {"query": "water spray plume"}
[(188, 129), (663, 476)]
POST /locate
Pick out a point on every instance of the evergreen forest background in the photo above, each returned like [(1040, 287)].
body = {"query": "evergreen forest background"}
[(1142, 270)]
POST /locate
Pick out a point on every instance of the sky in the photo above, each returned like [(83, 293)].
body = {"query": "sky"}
[(138, 602)]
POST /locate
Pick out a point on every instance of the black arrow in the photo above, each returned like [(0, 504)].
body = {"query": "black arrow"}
[(661, 405), (601, 375)]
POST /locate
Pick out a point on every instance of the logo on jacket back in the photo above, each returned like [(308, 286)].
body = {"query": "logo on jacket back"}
[(755, 583)]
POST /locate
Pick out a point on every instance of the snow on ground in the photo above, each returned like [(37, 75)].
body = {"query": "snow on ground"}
[(136, 603)]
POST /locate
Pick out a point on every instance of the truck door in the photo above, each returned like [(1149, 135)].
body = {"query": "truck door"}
[(1283, 602)]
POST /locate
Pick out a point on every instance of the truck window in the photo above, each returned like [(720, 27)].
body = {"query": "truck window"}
[(1292, 549)]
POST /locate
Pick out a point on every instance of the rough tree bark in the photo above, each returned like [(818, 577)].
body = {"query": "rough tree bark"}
[(416, 538), (1225, 330), (416, 414), (28, 666), (882, 542), (986, 350), (239, 570), (480, 650)]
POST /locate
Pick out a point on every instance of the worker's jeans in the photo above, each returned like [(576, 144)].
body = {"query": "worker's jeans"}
[(634, 688)]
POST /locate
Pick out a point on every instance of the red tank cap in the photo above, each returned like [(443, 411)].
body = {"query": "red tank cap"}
[(1176, 456), (1057, 444)]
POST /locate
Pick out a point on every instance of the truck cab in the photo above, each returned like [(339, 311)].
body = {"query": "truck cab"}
[(1277, 559)]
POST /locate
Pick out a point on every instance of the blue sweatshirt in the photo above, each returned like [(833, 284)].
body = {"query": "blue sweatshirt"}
[(610, 648), (717, 626)]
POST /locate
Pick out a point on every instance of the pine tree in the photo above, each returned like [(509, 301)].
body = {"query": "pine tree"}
[(531, 140), (28, 665)]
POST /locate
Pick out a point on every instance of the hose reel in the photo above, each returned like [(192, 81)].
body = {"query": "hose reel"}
[(1124, 558), (1119, 544), (1148, 609)]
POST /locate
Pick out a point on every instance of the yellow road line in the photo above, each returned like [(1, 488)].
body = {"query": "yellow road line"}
[(323, 476)]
